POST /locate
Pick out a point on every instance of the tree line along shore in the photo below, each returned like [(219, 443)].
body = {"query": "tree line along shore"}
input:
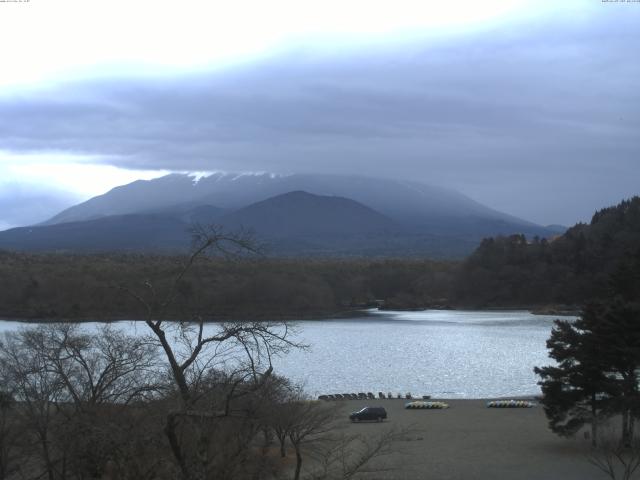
[(545, 275)]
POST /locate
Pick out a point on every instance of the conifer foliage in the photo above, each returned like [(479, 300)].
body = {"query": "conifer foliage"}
[(598, 361)]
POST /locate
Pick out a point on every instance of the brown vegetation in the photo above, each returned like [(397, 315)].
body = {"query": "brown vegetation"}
[(85, 287)]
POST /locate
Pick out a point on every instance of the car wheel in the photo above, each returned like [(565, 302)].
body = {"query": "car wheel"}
[(379, 419)]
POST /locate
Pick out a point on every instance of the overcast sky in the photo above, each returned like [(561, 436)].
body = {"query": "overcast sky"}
[(531, 107)]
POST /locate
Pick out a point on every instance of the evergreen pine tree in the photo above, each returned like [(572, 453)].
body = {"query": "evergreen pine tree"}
[(576, 390), (598, 361)]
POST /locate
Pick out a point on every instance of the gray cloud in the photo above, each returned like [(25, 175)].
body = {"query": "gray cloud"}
[(30, 204), (541, 122)]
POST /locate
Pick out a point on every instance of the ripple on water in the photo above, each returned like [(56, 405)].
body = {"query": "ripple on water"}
[(444, 353)]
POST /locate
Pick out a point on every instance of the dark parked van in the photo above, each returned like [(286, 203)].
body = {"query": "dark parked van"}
[(369, 413)]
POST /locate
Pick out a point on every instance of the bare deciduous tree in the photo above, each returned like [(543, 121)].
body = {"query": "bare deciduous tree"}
[(313, 430), (347, 457), (243, 349), (618, 458), (70, 387), (8, 434), (26, 373), (308, 422), (106, 366)]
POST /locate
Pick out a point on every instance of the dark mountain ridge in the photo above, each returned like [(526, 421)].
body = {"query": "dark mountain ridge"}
[(416, 206), (295, 222), (301, 214), (294, 215)]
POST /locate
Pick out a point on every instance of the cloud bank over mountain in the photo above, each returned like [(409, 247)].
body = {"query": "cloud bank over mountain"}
[(539, 120)]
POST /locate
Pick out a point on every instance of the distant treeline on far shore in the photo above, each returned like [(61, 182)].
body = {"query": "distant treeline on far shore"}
[(503, 272)]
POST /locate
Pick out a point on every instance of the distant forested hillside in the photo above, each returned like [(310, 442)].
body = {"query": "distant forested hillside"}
[(571, 269), (505, 272), (86, 287)]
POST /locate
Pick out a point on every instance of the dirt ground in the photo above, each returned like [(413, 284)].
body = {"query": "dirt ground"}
[(469, 441)]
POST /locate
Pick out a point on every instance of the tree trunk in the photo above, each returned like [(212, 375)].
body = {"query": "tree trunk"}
[(268, 439), (594, 421), (626, 441), (203, 448), (298, 463), (176, 370), (174, 443), (283, 450), (47, 458), (4, 456)]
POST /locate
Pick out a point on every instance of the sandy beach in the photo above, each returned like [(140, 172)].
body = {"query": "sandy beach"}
[(469, 441)]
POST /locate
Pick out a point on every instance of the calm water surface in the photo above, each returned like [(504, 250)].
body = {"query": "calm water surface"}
[(443, 353)]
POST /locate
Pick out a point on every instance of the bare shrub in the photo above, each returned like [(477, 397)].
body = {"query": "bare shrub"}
[(618, 458)]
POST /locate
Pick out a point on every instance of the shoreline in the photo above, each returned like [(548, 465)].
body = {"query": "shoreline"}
[(313, 317), (345, 401)]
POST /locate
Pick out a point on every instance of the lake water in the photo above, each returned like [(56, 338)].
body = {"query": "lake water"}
[(442, 353)]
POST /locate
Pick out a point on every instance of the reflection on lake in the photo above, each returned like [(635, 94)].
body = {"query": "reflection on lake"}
[(443, 353)]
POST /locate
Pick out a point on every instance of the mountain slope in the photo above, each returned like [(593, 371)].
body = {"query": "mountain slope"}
[(421, 208), (150, 232), (294, 223), (140, 196), (302, 214)]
